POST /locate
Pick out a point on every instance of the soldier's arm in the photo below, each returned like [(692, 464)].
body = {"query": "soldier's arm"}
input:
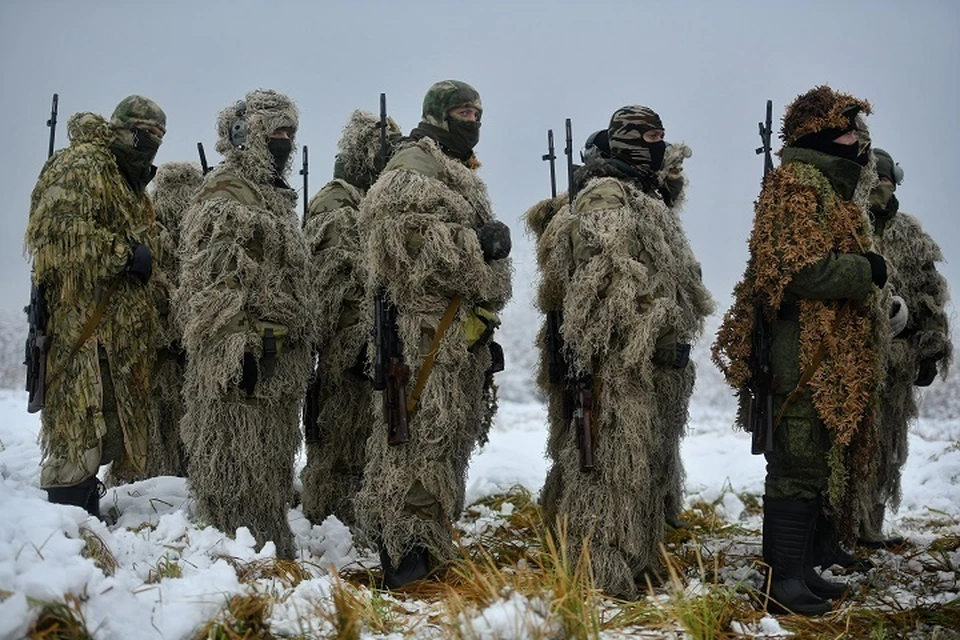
[(837, 276)]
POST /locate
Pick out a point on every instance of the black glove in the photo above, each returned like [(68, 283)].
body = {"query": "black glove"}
[(676, 355), (494, 239), (248, 378), (141, 263), (878, 268), (496, 358), (927, 373)]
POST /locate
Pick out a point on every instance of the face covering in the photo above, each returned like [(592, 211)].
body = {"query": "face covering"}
[(280, 149), (882, 200), (135, 150), (464, 134)]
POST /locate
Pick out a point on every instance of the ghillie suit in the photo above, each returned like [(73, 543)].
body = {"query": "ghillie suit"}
[(914, 355), (621, 271), (175, 185), (246, 311), (91, 237), (813, 276), (425, 217), (336, 444)]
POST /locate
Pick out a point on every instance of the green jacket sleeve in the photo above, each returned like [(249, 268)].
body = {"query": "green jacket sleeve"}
[(837, 276)]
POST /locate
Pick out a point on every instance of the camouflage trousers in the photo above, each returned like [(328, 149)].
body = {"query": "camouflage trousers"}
[(797, 468)]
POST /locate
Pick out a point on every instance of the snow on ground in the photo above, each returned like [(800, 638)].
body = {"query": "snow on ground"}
[(40, 543)]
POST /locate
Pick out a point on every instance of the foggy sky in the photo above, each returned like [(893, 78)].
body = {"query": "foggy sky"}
[(707, 67)]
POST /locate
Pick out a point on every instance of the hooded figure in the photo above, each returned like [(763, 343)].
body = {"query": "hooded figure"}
[(815, 277), (174, 187), (246, 310), (618, 271), (435, 250), (92, 236), (337, 437), (920, 342)]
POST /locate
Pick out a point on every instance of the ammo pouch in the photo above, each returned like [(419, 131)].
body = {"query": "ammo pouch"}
[(478, 326), (273, 336)]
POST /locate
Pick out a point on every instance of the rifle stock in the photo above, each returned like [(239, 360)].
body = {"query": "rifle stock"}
[(390, 372), (311, 407)]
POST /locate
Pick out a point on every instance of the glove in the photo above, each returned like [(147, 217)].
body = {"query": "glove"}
[(674, 354), (141, 263), (878, 268), (927, 373), (496, 358), (494, 239), (898, 316), (248, 377)]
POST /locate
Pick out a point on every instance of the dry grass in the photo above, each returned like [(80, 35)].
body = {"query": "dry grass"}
[(288, 573), (165, 568), (243, 618), (60, 621), (98, 551), (355, 611)]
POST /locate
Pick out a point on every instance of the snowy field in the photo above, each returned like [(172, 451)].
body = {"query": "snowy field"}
[(40, 543)]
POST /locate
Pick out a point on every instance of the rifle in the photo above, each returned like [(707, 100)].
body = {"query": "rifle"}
[(203, 159), (311, 407), (390, 372), (584, 414), (551, 157), (304, 171), (38, 344), (760, 417)]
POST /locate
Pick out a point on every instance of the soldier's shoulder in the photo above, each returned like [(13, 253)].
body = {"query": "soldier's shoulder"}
[(415, 157), (336, 194), (601, 193), (223, 183)]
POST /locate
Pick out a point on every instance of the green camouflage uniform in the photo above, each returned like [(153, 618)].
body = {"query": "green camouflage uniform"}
[(243, 275), (84, 219), (422, 217), (336, 444)]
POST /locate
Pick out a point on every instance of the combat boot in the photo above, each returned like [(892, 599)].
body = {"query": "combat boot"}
[(870, 531), (828, 552), (85, 495), (415, 565), (787, 528)]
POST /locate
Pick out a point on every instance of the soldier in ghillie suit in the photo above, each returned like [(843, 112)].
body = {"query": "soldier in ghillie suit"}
[(175, 185), (618, 265), (246, 313), (920, 346), (336, 442), (436, 250), (92, 237), (815, 277)]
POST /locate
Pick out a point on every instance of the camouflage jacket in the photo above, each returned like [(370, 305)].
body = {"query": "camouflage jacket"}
[(84, 220)]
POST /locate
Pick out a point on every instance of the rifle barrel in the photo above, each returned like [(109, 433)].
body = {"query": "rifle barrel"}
[(568, 150), (52, 123)]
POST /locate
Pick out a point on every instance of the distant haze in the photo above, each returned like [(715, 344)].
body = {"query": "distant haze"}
[(706, 67)]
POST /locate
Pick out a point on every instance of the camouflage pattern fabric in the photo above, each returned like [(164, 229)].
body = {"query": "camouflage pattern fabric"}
[(818, 109), (137, 110), (244, 269), (84, 218), (625, 133), (446, 95)]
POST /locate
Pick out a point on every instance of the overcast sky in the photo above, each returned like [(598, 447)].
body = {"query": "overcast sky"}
[(706, 67)]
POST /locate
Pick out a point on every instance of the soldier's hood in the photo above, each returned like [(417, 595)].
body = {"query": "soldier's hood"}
[(359, 159), (264, 111), (86, 127), (172, 175)]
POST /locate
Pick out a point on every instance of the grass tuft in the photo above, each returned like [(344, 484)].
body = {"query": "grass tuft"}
[(96, 549), (289, 573), (60, 621), (243, 618)]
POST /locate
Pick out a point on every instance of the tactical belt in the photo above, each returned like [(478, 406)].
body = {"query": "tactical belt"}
[(424, 372)]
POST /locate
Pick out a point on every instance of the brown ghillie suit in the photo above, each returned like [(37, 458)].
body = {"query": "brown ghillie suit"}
[(337, 456), (84, 217), (175, 185), (244, 269), (622, 272), (911, 255), (422, 216)]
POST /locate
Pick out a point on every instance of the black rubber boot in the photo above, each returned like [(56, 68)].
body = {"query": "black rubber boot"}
[(870, 530), (828, 552), (415, 565), (787, 528), (820, 586), (85, 495)]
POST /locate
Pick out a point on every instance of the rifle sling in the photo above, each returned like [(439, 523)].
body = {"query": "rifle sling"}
[(424, 372), (815, 363), (89, 326)]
